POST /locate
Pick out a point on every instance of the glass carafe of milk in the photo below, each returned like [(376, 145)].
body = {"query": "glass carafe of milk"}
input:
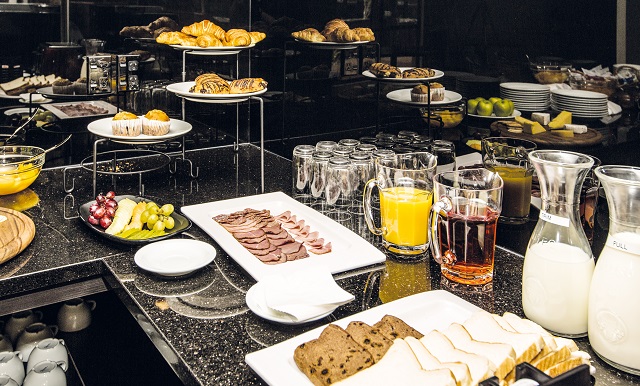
[(614, 310), (558, 263)]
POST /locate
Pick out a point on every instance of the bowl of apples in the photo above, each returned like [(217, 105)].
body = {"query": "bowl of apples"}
[(492, 108)]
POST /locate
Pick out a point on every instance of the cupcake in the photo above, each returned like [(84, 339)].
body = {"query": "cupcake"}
[(62, 86), (155, 122), (126, 124), (80, 86), (421, 92)]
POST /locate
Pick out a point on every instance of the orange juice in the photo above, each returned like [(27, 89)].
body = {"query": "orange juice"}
[(404, 212)]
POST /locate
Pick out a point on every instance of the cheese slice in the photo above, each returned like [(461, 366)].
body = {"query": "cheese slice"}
[(501, 355), (399, 366), (563, 133), (560, 120), (442, 348), (541, 118), (522, 120), (577, 129), (533, 128), (429, 362)]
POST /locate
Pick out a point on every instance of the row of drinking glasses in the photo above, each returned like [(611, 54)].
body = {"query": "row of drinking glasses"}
[(330, 176)]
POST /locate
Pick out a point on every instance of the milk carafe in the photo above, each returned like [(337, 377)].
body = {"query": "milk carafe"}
[(614, 309), (558, 263)]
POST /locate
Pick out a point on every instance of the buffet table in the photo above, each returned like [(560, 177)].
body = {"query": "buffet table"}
[(201, 324)]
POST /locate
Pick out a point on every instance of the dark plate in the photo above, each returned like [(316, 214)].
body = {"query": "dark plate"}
[(181, 223)]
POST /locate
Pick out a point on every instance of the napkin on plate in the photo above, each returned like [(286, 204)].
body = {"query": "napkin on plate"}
[(304, 294)]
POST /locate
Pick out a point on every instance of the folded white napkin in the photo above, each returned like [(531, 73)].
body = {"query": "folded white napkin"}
[(304, 294), (613, 108), (468, 159)]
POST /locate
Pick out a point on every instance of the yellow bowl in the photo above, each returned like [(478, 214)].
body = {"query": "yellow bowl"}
[(451, 116), (19, 167)]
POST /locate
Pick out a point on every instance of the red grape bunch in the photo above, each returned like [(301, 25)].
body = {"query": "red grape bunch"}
[(103, 210)]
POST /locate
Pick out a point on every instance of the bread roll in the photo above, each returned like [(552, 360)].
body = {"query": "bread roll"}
[(309, 35), (237, 38)]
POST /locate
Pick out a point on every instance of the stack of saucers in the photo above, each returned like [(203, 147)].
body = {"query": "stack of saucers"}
[(526, 96), (580, 103)]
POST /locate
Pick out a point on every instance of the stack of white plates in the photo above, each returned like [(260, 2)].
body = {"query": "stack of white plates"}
[(580, 103), (526, 96)]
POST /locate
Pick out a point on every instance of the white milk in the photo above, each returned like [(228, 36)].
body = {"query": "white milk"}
[(555, 287), (614, 307)]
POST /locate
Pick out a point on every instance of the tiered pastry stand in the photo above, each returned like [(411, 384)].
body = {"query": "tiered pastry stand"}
[(212, 51), (115, 164), (333, 46)]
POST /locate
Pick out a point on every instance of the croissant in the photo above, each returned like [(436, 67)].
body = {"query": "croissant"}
[(364, 34), (257, 36), (163, 21), (245, 85), (189, 41), (418, 73), (237, 38), (208, 41), (309, 35), (171, 37), (384, 70), (331, 26), (203, 27), (345, 35), (210, 87)]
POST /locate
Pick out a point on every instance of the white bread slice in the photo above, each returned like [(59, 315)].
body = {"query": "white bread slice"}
[(442, 348), (516, 324), (483, 327), (549, 342), (429, 362), (399, 366), (13, 84), (501, 355), (553, 358), (566, 365), (529, 326)]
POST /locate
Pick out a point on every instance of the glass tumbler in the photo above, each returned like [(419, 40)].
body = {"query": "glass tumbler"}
[(326, 146), (445, 151), (363, 171), (301, 172), (339, 189), (319, 166)]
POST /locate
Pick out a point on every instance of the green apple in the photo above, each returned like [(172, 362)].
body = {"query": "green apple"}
[(485, 108), (472, 105), (503, 108), (494, 99)]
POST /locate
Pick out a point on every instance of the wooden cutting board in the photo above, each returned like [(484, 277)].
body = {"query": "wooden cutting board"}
[(16, 233), (590, 138)]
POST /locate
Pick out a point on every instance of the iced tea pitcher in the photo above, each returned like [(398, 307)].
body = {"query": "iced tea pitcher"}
[(614, 310), (558, 263)]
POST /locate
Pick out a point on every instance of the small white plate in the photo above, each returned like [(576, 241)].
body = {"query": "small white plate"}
[(102, 128), (404, 96), (176, 257), (18, 110), (257, 304), (518, 86)]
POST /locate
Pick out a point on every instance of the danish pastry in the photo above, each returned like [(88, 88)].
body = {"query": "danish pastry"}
[(245, 85), (384, 70), (418, 73)]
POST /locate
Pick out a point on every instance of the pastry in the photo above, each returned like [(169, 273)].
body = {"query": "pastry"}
[(241, 86), (203, 27), (364, 34), (418, 73), (345, 35), (189, 41), (331, 27), (384, 70), (210, 84), (62, 86), (257, 36), (309, 35), (422, 93), (237, 38), (126, 124), (160, 30), (163, 22), (208, 40), (137, 31), (80, 86), (155, 122), (171, 37)]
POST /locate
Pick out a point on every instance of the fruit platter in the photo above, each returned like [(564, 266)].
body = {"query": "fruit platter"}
[(132, 219)]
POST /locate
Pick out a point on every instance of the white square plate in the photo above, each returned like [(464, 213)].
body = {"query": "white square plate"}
[(425, 311), (349, 251)]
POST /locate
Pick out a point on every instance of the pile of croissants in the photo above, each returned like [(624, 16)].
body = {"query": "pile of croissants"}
[(206, 33), (212, 83), (337, 31)]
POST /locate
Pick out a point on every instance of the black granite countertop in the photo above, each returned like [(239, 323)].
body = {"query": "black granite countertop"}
[(201, 324)]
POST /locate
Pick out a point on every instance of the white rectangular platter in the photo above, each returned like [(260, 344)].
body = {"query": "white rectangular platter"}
[(349, 251), (55, 109), (425, 311)]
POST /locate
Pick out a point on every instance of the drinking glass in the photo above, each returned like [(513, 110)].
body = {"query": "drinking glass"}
[(301, 162), (349, 142), (463, 222), (339, 189), (405, 185), (325, 146), (363, 171), (445, 151), (509, 157), (319, 166)]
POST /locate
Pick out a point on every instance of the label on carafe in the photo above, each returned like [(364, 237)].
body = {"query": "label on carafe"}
[(552, 218), (623, 245)]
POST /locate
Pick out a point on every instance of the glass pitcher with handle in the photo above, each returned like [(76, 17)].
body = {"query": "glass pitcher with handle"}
[(614, 312)]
